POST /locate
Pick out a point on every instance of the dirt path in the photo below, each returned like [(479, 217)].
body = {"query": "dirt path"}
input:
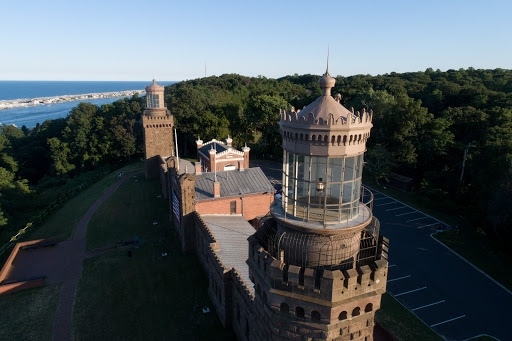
[(63, 315)]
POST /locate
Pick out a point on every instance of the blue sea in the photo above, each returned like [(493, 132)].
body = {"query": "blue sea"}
[(30, 116)]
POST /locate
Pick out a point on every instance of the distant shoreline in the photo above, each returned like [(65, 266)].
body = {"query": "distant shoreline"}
[(30, 102)]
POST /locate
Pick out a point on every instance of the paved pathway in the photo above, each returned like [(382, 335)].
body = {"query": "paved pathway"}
[(73, 268)]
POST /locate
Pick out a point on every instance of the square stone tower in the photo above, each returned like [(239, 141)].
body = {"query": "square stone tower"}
[(158, 125)]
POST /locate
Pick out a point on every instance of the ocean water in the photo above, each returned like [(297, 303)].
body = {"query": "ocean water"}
[(33, 89), (30, 116)]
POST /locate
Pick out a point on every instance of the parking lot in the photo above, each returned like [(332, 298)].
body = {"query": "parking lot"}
[(447, 293)]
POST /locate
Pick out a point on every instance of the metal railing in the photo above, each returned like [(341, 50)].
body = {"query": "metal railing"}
[(357, 211)]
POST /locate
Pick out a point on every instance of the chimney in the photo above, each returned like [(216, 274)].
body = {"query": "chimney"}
[(229, 141), (213, 164), (198, 168), (246, 151), (241, 167), (216, 189)]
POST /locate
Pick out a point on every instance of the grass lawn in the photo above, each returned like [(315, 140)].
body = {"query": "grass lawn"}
[(146, 296), (404, 324), (129, 212), (28, 314), (63, 222)]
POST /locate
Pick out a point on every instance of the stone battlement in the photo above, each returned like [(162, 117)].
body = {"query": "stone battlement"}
[(322, 284), (362, 118), (240, 283), (157, 118)]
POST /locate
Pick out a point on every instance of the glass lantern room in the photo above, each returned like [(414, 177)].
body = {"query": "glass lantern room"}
[(322, 189)]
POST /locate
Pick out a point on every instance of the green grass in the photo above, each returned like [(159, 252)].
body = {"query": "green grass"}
[(28, 314), (147, 296), (402, 323), (62, 223), (477, 249), (129, 212)]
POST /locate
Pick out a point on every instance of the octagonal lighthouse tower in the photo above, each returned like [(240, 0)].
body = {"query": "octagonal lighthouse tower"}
[(324, 264)]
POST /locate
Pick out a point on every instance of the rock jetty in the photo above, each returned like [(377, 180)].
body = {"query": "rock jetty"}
[(30, 102)]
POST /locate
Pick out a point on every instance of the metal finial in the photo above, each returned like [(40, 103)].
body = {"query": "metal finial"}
[(327, 71)]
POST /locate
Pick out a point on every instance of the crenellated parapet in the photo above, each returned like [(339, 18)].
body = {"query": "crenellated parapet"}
[(352, 119), (241, 286), (322, 284), (337, 134)]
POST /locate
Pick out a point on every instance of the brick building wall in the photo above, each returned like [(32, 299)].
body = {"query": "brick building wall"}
[(255, 205)]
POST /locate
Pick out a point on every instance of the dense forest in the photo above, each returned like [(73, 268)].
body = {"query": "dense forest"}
[(450, 131)]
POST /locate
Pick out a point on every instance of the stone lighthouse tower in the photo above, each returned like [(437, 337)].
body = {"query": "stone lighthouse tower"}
[(158, 123), (318, 263)]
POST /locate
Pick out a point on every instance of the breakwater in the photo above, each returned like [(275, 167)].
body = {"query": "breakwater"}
[(30, 102)]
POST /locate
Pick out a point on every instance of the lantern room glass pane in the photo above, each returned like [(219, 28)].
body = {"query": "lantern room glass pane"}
[(349, 168), (335, 169), (359, 167)]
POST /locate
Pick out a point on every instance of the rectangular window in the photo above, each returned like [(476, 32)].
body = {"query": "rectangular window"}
[(233, 207)]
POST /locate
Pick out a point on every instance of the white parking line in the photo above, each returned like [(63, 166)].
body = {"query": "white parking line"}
[(392, 265), (477, 336), (408, 292), (388, 203), (398, 208), (376, 191), (426, 225), (379, 199), (450, 320), (398, 215), (428, 305), (399, 278), (417, 219)]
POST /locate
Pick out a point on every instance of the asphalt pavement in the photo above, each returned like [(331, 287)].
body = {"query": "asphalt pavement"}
[(442, 289)]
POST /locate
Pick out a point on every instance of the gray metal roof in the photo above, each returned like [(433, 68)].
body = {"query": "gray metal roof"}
[(219, 146), (233, 183), (231, 233), (186, 167)]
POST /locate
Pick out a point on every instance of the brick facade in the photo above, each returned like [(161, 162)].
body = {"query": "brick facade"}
[(250, 206)]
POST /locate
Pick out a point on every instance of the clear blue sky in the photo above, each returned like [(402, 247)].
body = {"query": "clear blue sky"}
[(173, 40)]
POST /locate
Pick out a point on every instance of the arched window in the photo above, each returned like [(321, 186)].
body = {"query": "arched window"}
[(344, 140), (313, 138), (315, 315), (333, 140), (296, 136), (356, 311), (339, 139), (301, 137), (342, 316), (306, 137), (299, 312), (326, 139), (284, 308), (368, 308)]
